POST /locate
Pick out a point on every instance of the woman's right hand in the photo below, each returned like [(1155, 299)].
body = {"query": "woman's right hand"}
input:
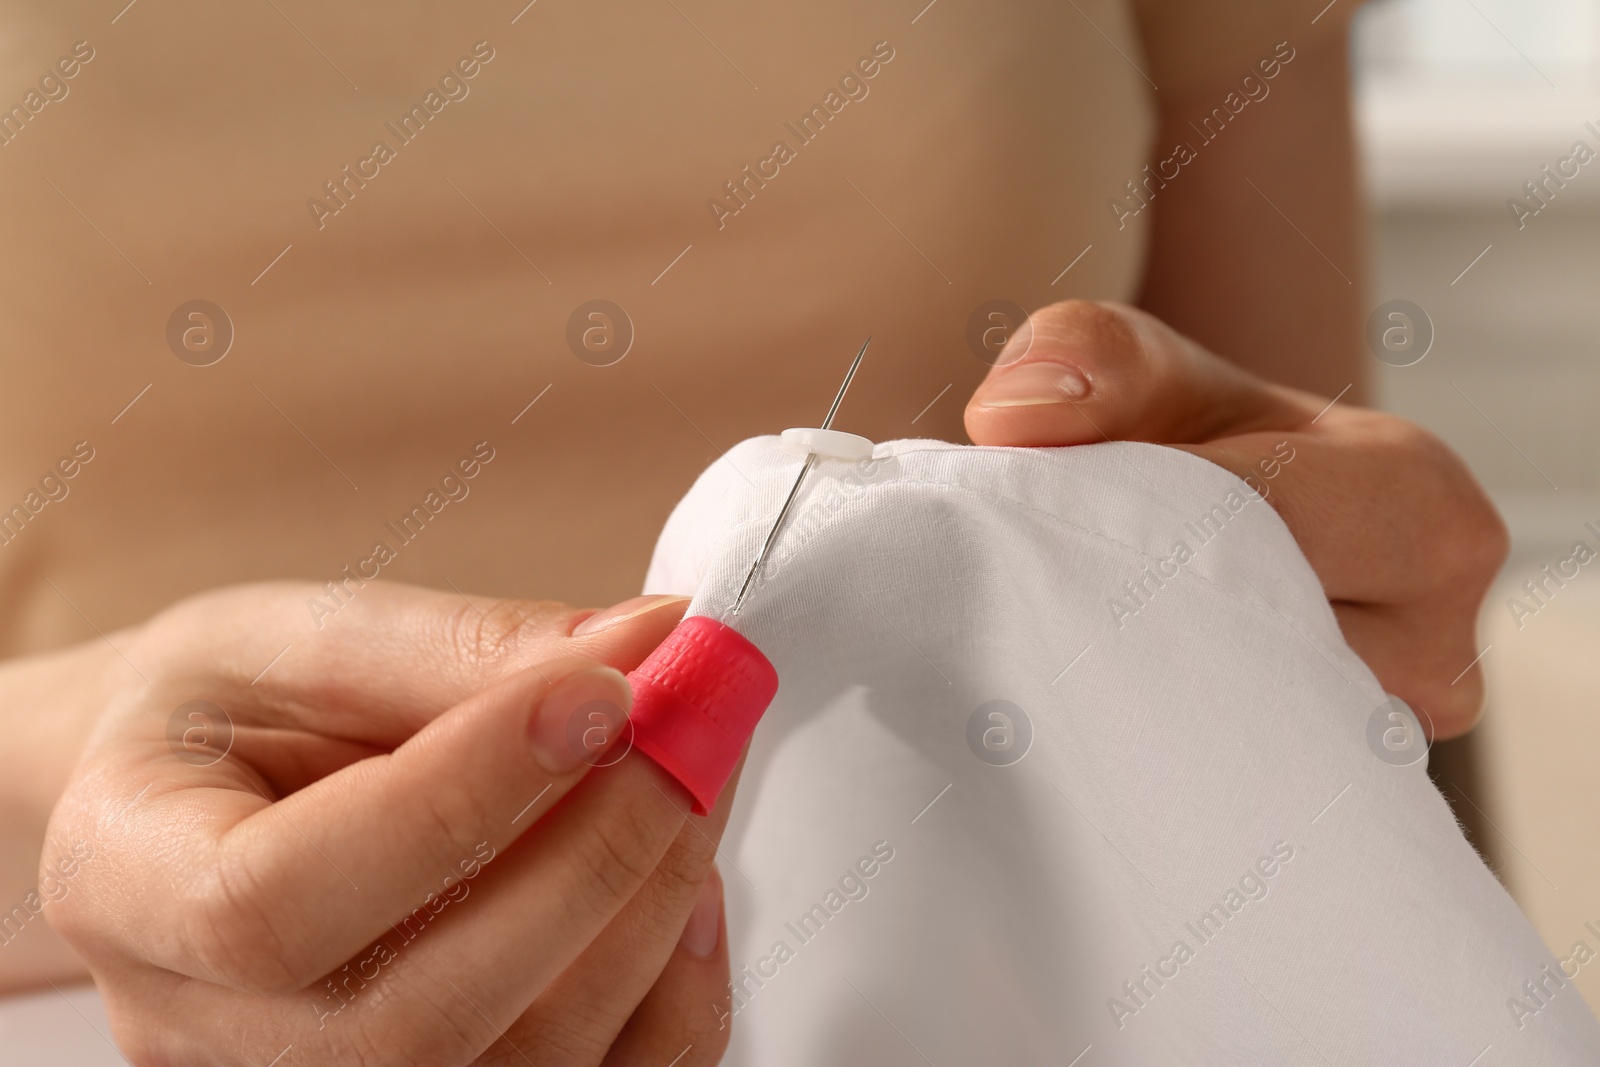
[(405, 855)]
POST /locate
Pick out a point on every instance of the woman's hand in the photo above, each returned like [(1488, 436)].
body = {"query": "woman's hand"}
[(1404, 540), (417, 838)]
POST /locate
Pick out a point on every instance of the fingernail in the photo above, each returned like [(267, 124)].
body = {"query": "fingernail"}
[(579, 717), (628, 609), (704, 928), (1034, 383)]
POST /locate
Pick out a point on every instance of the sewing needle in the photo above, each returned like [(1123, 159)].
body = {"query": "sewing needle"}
[(794, 491)]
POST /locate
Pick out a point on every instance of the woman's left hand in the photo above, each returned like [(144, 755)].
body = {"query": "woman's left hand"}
[(1404, 540)]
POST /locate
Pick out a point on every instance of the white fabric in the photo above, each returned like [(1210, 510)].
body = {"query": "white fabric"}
[(1173, 750)]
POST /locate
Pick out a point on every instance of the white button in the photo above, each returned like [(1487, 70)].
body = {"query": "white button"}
[(828, 444)]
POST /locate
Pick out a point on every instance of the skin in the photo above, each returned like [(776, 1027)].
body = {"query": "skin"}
[(1401, 536), (1360, 490), (433, 772)]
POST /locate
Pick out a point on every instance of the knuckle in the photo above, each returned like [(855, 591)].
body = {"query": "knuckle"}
[(1471, 535), (580, 1032), (424, 1024), (614, 860), (454, 813), (705, 1027), (141, 1050), (365, 1051), (403, 1019), (709, 1033), (173, 642), (1482, 543), (1444, 507), (674, 886), (68, 914), (140, 1042), (486, 636), (163, 643), (1453, 709), (230, 934)]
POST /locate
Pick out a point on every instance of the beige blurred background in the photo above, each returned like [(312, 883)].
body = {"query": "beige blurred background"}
[(1460, 104)]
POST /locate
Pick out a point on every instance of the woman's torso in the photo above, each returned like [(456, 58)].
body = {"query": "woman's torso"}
[(426, 313)]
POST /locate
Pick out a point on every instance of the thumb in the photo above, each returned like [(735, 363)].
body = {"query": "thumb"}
[(1083, 371)]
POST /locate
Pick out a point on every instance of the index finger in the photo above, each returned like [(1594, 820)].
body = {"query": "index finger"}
[(391, 659), (267, 896)]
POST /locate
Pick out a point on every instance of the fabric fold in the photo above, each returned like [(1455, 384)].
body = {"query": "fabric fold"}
[(1069, 758)]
